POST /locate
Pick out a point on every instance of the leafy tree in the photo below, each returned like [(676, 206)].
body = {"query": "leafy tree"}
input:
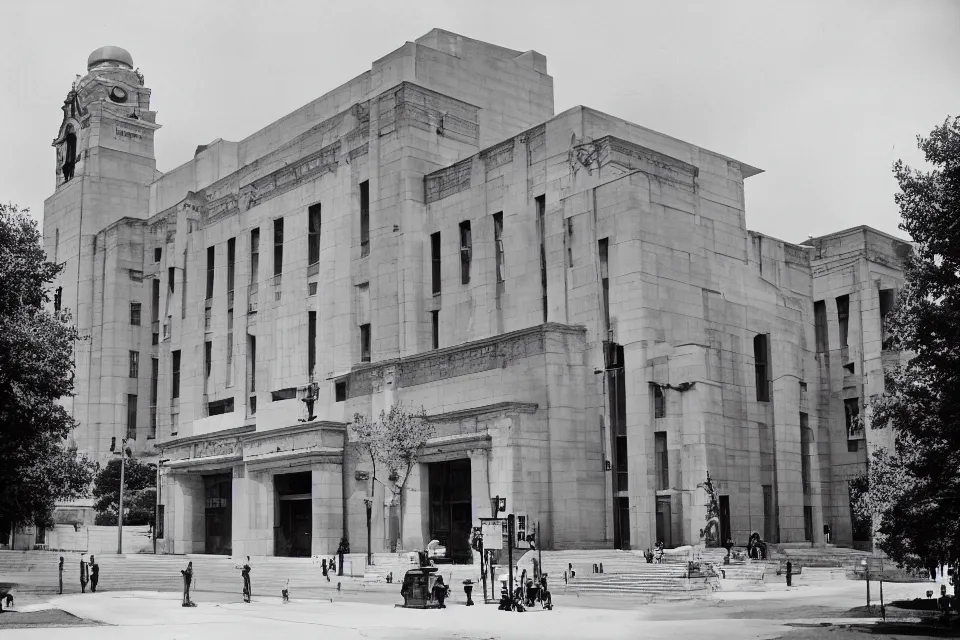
[(139, 492), (393, 443), (915, 488), (36, 369)]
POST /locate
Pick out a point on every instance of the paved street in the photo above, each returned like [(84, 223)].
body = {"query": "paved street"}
[(781, 613)]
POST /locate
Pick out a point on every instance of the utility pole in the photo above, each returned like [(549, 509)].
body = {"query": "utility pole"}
[(510, 520), (156, 510), (123, 463)]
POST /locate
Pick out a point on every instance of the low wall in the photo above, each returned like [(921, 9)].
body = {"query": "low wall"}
[(98, 539)]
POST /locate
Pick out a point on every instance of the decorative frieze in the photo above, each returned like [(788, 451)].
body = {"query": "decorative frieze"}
[(498, 155), (455, 178), (536, 143), (430, 111), (651, 162)]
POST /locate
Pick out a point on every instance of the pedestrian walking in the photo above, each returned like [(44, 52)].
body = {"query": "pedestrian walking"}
[(187, 581), (84, 576), (60, 571), (245, 573), (440, 592), (94, 574)]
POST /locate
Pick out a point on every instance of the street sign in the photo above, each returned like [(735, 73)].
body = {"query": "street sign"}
[(492, 531)]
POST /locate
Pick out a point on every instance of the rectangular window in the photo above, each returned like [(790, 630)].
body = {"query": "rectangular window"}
[(175, 376), (313, 234), (131, 416), (888, 298), (220, 407), (174, 423), (662, 461), (183, 288), (435, 319), (806, 437), (135, 313), (210, 262), (311, 343), (154, 382), (171, 277), (659, 402), (278, 246), (207, 360), (155, 302), (541, 202), (159, 523), (466, 252), (365, 343), (155, 339), (603, 248), (851, 411), (808, 523), (622, 470), (231, 263), (157, 253), (134, 364), (435, 261), (569, 242), (843, 318), (229, 378), (761, 366), (364, 218), (340, 391), (498, 246), (252, 373), (820, 326), (254, 255)]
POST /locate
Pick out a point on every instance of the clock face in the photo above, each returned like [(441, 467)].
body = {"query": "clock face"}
[(117, 94)]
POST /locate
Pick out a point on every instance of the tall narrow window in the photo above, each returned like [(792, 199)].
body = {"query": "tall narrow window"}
[(659, 402), (254, 255), (311, 343), (806, 437), (157, 254), (252, 373), (435, 320), (135, 313), (313, 234), (134, 364), (183, 288), (541, 202), (603, 249), (887, 299), (843, 318), (56, 247), (435, 261), (210, 262), (154, 381), (498, 245), (662, 461), (131, 416), (851, 411), (175, 375), (466, 252), (207, 360), (761, 366), (278, 246), (820, 326), (364, 218), (229, 378), (171, 277), (231, 262), (569, 242), (155, 301), (365, 343)]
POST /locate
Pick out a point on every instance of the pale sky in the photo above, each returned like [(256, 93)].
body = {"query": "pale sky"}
[(822, 95)]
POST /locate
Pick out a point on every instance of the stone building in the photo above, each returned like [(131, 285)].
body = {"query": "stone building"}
[(575, 301)]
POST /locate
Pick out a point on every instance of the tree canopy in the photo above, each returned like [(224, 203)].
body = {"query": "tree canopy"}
[(36, 369), (139, 492), (914, 490)]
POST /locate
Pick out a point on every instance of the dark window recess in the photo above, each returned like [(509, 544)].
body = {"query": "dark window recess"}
[(435, 262), (498, 246), (171, 278), (131, 417), (159, 524), (659, 402), (888, 298), (253, 405), (312, 289), (278, 246), (175, 375), (820, 325), (155, 340), (365, 343), (313, 234), (207, 358), (231, 262), (843, 318), (135, 313), (569, 242), (283, 394), (808, 523), (622, 471), (311, 342), (340, 391), (435, 319), (662, 460), (254, 255), (155, 301), (134, 364), (761, 354), (603, 249), (157, 253), (466, 252), (851, 411), (541, 204), (853, 446), (849, 368), (154, 380), (806, 438), (211, 252), (183, 288), (364, 218), (252, 361), (219, 407)]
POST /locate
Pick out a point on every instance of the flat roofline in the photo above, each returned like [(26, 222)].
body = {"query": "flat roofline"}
[(859, 229), (776, 239)]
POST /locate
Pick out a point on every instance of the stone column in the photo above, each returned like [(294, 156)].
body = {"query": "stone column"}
[(187, 503), (327, 507), (479, 490)]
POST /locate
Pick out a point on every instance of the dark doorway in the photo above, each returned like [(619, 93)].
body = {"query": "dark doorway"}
[(451, 515), (218, 514), (621, 534), (293, 530), (725, 533), (664, 522)]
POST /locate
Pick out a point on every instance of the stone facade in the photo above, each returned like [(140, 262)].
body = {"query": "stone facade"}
[(575, 301)]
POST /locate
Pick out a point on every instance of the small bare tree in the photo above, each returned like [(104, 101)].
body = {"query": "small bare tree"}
[(393, 442)]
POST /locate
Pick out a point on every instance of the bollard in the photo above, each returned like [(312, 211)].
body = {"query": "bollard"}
[(338, 587), (468, 589), (601, 567), (595, 568), (565, 581)]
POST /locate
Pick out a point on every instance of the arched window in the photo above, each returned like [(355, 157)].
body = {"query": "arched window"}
[(70, 153)]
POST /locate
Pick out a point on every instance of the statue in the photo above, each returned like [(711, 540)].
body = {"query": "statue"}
[(710, 534), (139, 75)]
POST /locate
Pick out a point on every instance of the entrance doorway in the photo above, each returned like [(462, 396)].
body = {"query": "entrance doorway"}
[(451, 516), (218, 514), (294, 528), (724, 519), (621, 534), (664, 522)]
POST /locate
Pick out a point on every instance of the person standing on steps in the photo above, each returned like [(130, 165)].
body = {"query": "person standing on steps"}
[(60, 571), (84, 576), (94, 574)]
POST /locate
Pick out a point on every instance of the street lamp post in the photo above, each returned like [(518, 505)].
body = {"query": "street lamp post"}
[(866, 573), (369, 504), (123, 463), (156, 510)]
